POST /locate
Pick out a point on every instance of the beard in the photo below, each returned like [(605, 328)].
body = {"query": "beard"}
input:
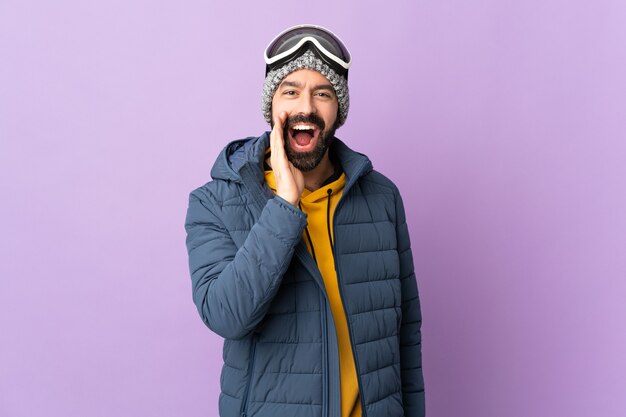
[(307, 161)]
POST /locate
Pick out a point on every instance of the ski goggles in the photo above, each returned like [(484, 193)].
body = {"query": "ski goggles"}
[(290, 44)]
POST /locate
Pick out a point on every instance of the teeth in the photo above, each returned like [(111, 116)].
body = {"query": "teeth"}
[(302, 127)]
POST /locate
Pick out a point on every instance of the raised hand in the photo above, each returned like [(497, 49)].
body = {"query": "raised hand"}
[(289, 179)]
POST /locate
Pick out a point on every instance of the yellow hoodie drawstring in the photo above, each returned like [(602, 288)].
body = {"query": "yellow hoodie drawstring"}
[(330, 236), (308, 236)]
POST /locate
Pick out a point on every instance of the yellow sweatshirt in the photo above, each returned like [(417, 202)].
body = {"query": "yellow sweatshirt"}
[(315, 205)]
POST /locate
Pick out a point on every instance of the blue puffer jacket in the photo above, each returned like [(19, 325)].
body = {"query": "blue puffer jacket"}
[(256, 285)]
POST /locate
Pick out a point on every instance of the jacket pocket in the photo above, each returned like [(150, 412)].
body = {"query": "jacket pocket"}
[(246, 393)]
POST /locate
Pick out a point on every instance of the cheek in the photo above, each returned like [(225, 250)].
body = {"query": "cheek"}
[(330, 115), (279, 106), (280, 102)]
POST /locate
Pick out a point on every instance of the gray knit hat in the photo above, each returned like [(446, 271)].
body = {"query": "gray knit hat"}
[(308, 60)]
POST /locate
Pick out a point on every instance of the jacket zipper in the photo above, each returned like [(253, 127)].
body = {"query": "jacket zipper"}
[(325, 366), (356, 362), (332, 248), (244, 402), (326, 380)]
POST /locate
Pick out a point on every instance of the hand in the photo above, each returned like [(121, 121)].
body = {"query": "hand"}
[(289, 179)]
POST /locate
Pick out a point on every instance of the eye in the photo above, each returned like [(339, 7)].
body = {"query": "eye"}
[(289, 92), (324, 94)]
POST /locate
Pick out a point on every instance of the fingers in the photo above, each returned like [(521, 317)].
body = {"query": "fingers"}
[(277, 144), (289, 180), (279, 121), (276, 137)]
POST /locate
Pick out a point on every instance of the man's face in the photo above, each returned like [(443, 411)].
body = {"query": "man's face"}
[(311, 105)]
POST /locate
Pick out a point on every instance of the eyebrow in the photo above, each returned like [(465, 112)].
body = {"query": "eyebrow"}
[(296, 84), (290, 84), (324, 87)]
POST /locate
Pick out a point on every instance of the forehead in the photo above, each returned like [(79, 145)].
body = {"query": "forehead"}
[(306, 76)]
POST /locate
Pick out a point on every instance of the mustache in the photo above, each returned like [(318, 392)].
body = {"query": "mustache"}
[(305, 118)]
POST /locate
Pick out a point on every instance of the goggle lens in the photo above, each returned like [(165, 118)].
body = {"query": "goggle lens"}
[(290, 38), (293, 40)]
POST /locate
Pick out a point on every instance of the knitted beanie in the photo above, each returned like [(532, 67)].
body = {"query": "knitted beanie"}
[(308, 60)]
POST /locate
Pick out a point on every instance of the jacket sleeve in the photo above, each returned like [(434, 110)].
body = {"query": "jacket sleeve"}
[(410, 326), (233, 287)]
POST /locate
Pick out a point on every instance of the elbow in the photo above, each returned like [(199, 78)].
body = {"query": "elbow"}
[(224, 327), (221, 310), (221, 320)]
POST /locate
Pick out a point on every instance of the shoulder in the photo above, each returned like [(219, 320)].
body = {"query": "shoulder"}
[(376, 183), (379, 191), (219, 193)]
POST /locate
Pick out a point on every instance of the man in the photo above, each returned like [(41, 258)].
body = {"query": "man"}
[(300, 258)]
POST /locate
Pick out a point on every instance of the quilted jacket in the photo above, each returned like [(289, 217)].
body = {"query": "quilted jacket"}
[(255, 284)]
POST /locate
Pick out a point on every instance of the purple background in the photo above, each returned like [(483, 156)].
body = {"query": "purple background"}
[(502, 122)]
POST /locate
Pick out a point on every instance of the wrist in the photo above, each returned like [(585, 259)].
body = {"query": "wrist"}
[(289, 197), (290, 202)]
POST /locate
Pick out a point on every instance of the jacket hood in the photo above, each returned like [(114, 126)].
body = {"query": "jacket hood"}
[(251, 150), (237, 154)]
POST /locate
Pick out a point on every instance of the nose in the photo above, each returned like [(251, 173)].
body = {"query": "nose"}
[(306, 105)]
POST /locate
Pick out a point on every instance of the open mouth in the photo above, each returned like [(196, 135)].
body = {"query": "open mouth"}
[(303, 136)]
